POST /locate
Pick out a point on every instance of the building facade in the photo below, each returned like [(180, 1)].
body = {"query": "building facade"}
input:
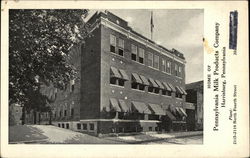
[(126, 83), (195, 96)]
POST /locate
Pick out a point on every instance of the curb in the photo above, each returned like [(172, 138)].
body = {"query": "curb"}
[(157, 139), (29, 141)]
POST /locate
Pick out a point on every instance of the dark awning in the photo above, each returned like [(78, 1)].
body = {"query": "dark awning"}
[(179, 111), (183, 111), (141, 107), (153, 83), (170, 115), (172, 87), (159, 84), (179, 90), (184, 92), (157, 109), (114, 105), (166, 86), (124, 74), (144, 80), (123, 106), (136, 78), (115, 73)]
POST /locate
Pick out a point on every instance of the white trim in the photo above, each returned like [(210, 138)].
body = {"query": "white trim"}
[(117, 120), (127, 33), (143, 91), (115, 85)]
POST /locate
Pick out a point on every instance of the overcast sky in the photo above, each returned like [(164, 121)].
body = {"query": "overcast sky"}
[(181, 29)]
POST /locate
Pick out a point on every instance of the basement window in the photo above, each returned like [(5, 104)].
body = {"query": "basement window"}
[(78, 126), (91, 126), (84, 126)]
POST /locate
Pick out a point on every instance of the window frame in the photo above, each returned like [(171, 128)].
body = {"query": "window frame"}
[(111, 43), (157, 61), (134, 53), (121, 47), (152, 60), (141, 52)]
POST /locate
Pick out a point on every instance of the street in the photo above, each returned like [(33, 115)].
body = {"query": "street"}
[(180, 141)]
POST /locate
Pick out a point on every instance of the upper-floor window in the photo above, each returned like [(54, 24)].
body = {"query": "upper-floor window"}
[(163, 65), (112, 43), (168, 67), (156, 61), (133, 52), (141, 55), (150, 59), (176, 70), (120, 47), (72, 85), (180, 71)]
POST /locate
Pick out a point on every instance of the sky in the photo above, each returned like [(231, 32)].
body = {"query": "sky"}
[(181, 29)]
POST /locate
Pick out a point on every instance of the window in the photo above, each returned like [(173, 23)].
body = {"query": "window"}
[(72, 85), (150, 59), (134, 85), (168, 67), (150, 128), (133, 52), (59, 125), (65, 112), (176, 70), (156, 61), (84, 126), (60, 113), (62, 125), (180, 71), (67, 125), (91, 126), (112, 43), (166, 92), (141, 55), (78, 126), (163, 65), (72, 112), (121, 82), (120, 47)]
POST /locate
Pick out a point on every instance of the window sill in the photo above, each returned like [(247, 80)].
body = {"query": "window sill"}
[(122, 56), (153, 93), (114, 85), (138, 90)]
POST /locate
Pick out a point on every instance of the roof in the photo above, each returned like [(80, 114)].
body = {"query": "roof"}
[(195, 85), (112, 17)]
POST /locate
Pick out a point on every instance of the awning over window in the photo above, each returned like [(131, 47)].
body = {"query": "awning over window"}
[(183, 111), (159, 84), (179, 111), (144, 80), (124, 74), (153, 83), (179, 90), (141, 107), (123, 106), (166, 86), (172, 109), (114, 105), (115, 73), (157, 109), (184, 92), (136, 78), (172, 87), (170, 115)]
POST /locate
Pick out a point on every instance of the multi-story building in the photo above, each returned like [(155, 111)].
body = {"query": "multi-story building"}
[(127, 83), (195, 97)]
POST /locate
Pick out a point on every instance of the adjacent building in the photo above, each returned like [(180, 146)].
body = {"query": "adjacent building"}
[(195, 97), (126, 83)]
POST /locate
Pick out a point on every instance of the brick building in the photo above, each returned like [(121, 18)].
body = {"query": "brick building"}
[(195, 96), (126, 83)]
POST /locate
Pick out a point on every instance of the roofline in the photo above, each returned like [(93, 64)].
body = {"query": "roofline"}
[(135, 36)]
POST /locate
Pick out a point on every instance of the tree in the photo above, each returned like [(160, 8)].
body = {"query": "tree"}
[(39, 46)]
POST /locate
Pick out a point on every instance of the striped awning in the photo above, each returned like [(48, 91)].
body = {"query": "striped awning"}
[(183, 111), (124, 74), (184, 92), (166, 86), (153, 83), (170, 115), (144, 80), (179, 90), (141, 107), (114, 105), (123, 106), (136, 78), (114, 72), (157, 109), (179, 111), (160, 84), (172, 87)]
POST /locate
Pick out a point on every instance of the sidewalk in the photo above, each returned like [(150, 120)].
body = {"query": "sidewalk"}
[(151, 137)]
